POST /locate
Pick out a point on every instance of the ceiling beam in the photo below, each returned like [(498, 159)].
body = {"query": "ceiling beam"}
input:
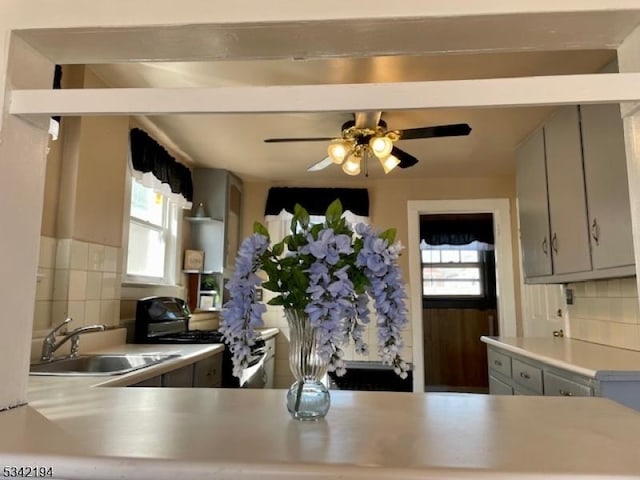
[(480, 93)]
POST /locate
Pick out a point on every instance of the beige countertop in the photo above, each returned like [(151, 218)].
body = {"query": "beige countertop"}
[(82, 432), (585, 358)]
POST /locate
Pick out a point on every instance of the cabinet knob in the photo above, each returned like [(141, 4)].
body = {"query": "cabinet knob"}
[(565, 393), (497, 363), (545, 250), (525, 375)]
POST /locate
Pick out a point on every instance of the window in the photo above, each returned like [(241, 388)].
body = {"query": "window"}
[(452, 272), (153, 225)]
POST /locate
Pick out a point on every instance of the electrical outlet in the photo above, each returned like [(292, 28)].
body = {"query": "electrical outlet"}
[(568, 293), (259, 294)]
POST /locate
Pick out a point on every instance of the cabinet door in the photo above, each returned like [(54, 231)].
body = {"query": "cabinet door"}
[(182, 377), (532, 207), (498, 387), (605, 167), (207, 373), (567, 202)]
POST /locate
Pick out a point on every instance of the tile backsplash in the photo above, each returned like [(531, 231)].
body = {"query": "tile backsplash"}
[(606, 312), (77, 279)]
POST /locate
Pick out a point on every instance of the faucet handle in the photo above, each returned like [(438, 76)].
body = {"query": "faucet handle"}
[(56, 329)]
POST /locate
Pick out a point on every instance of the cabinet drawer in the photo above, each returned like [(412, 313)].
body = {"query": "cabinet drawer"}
[(207, 373), (499, 362), (527, 376), (555, 385), (497, 387)]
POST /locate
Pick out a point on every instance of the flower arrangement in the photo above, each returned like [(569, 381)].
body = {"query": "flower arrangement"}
[(328, 271)]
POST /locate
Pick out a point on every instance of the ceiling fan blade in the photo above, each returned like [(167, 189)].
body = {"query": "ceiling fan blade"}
[(406, 160), (312, 139), (454, 130), (322, 164)]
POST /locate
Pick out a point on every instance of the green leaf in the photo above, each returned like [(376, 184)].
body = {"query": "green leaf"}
[(334, 212), (276, 301), (389, 235), (261, 229), (278, 248), (271, 285), (301, 216)]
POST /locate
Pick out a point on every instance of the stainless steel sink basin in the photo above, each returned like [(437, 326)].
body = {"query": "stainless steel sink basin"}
[(107, 364)]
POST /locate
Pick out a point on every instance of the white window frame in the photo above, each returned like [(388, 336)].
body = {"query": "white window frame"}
[(171, 232), (475, 265)]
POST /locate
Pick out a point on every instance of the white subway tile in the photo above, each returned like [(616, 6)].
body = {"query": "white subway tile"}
[(79, 259), (47, 255), (602, 288), (629, 287), (77, 285), (59, 312), (578, 289), (42, 315), (94, 285), (107, 312), (615, 309), (601, 308), (111, 259), (590, 289), (624, 336), (630, 310), (92, 312), (108, 286), (44, 284), (76, 311), (61, 284), (96, 259), (63, 253), (614, 288)]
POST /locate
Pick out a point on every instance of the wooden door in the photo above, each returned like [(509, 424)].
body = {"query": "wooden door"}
[(455, 358)]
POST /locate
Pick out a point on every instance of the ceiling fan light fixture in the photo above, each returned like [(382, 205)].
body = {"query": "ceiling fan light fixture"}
[(381, 146), (352, 165), (389, 163), (338, 150)]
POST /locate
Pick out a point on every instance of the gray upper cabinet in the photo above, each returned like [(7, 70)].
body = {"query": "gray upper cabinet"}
[(532, 205), (607, 186), (567, 201), (573, 192)]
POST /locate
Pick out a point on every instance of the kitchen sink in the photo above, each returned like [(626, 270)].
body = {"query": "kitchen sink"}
[(107, 364)]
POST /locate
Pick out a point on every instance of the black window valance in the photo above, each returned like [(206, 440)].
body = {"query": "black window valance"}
[(147, 155), (456, 229), (316, 200)]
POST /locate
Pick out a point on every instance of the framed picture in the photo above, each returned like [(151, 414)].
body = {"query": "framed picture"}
[(194, 260)]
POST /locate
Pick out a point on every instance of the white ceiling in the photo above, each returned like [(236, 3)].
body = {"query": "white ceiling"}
[(235, 142)]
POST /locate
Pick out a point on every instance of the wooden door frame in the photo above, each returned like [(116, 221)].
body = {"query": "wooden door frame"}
[(505, 277)]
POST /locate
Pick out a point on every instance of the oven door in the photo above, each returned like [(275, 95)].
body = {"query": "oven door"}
[(255, 375)]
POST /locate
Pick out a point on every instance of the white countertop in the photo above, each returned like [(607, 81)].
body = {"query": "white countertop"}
[(585, 358), (167, 433), (164, 433)]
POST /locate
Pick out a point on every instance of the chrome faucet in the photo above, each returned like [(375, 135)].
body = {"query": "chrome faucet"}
[(49, 345)]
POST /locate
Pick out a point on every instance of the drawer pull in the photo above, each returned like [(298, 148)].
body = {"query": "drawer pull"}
[(525, 375), (497, 363), (565, 393)]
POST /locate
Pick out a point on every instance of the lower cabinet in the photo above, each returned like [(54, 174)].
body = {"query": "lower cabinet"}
[(206, 373), (517, 375)]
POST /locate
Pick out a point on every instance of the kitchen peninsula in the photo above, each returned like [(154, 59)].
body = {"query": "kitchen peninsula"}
[(165, 433)]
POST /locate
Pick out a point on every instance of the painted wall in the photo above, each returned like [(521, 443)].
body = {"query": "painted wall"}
[(388, 204)]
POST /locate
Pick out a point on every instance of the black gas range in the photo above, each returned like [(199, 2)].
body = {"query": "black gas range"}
[(165, 320)]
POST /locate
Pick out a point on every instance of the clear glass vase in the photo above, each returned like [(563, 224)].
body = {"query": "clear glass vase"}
[(308, 398)]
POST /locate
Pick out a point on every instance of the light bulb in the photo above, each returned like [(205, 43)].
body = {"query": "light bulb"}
[(338, 151), (389, 163), (352, 165), (381, 146)]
